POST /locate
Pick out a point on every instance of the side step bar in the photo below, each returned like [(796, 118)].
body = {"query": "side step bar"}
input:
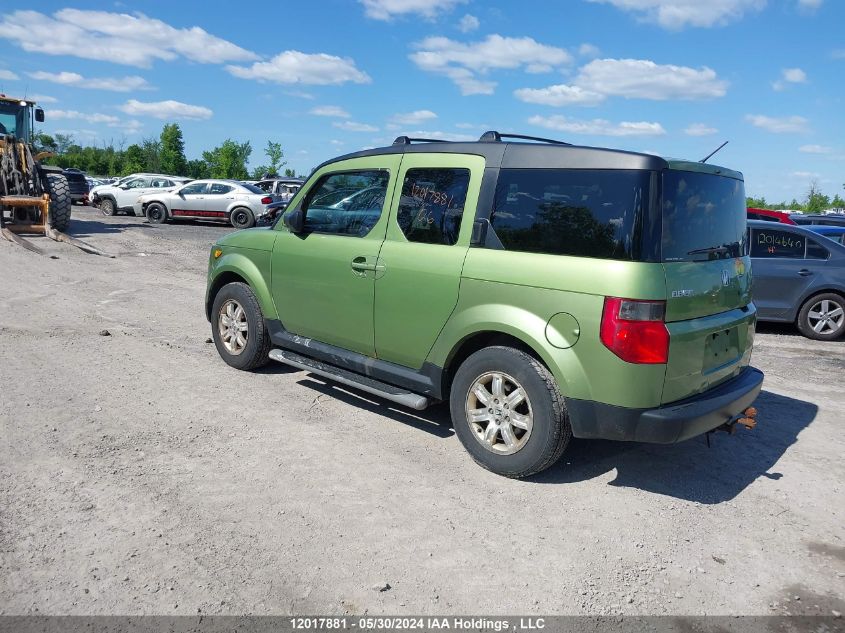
[(351, 379)]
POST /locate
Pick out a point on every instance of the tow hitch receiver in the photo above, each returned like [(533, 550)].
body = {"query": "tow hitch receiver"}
[(747, 418)]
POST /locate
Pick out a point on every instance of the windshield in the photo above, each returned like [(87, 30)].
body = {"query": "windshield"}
[(704, 217), (14, 119)]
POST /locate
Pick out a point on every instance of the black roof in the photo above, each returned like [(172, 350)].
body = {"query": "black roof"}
[(537, 155)]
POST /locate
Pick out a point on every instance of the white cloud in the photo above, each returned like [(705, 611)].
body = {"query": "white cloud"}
[(809, 5), (598, 127), (778, 125), (120, 38), (91, 117), (629, 78), (8, 75), (166, 109), (413, 118), (388, 9), (115, 84), (332, 111), (815, 149), (468, 23), (295, 67), (352, 126), (463, 63), (643, 79), (559, 95), (472, 126), (441, 136), (43, 99), (790, 76), (589, 50), (109, 120), (300, 93), (805, 175), (677, 14), (700, 129)]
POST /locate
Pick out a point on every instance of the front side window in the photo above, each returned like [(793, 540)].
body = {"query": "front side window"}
[(774, 244), (193, 188), (582, 212), (346, 203), (138, 183), (432, 205)]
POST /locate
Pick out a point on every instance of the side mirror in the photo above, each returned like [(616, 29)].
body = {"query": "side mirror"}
[(124, 187), (295, 220), (39, 115)]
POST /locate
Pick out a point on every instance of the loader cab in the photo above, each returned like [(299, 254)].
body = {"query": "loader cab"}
[(18, 117)]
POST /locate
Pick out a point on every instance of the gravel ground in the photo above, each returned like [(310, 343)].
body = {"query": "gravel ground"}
[(141, 475)]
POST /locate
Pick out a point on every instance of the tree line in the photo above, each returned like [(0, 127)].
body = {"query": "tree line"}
[(162, 155), (814, 201)]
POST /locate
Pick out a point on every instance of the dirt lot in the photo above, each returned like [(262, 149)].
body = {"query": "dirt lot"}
[(140, 474)]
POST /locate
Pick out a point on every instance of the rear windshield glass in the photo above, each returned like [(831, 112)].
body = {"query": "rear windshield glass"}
[(582, 212), (252, 188), (704, 217)]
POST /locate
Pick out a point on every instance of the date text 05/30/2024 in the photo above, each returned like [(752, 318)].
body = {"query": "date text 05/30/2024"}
[(498, 625)]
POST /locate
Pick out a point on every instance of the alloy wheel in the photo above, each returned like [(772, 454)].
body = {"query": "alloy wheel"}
[(499, 413)]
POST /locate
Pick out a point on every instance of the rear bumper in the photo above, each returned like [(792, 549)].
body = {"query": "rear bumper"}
[(670, 423)]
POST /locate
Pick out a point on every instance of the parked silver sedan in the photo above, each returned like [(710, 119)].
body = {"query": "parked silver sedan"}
[(225, 200)]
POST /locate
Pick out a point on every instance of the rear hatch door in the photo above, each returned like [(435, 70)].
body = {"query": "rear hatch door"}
[(709, 312)]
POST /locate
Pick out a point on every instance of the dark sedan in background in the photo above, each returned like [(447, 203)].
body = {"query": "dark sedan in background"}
[(799, 277), (835, 233)]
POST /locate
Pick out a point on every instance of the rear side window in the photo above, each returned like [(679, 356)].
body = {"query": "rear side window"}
[(582, 212), (432, 205), (816, 250), (704, 217), (219, 188), (346, 203)]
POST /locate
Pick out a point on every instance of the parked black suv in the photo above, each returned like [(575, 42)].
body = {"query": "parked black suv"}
[(78, 185)]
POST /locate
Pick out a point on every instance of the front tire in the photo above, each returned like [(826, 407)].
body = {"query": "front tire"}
[(242, 218), (61, 204), (156, 213), (108, 207), (822, 317), (508, 413), (238, 328)]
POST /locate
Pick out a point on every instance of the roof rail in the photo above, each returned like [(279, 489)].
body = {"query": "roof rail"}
[(495, 137), (407, 140)]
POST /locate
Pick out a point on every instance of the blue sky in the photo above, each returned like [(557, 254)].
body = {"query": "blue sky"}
[(673, 77)]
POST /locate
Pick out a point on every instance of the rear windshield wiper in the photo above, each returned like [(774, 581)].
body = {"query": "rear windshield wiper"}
[(711, 249)]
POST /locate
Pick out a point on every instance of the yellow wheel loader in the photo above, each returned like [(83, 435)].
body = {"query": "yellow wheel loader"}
[(34, 198)]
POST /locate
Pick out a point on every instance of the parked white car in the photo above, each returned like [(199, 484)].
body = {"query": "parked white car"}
[(225, 200), (122, 196)]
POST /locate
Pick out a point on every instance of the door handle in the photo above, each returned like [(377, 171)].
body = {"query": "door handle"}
[(360, 264), (805, 273)]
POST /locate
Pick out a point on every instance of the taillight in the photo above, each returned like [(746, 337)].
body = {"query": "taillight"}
[(266, 200), (635, 331)]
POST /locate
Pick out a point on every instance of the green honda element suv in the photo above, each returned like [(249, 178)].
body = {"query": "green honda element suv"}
[(545, 290)]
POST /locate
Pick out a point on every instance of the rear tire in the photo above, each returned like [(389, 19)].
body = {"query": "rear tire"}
[(61, 204), (238, 328), (508, 413), (108, 207), (822, 317), (242, 218), (156, 213)]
